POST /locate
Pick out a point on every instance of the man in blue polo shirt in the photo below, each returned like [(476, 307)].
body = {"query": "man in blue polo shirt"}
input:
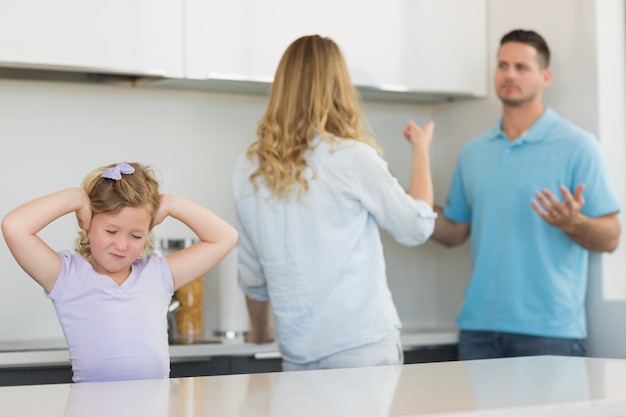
[(534, 196)]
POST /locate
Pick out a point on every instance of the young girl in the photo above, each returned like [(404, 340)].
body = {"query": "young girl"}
[(111, 296)]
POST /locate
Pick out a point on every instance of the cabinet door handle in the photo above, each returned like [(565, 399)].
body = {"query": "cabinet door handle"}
[(267, 355)]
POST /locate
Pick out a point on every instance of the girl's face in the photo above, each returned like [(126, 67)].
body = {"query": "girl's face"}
[(117, 240)]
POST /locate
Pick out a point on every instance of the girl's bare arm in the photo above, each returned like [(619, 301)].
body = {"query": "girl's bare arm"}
[(21, 225), (217, 238)]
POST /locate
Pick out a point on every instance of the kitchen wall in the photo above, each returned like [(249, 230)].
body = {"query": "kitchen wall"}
[(54, 133)]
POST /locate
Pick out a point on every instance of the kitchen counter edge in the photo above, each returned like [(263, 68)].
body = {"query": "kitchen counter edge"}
[(59, 355)]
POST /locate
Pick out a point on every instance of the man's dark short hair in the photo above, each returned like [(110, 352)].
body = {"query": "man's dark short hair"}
[(530, 38)]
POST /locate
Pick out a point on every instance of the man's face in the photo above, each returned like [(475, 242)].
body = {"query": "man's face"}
[(519, 78)]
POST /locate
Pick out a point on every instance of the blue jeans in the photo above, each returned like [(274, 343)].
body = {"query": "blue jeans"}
[(485, 345), (387, 351)]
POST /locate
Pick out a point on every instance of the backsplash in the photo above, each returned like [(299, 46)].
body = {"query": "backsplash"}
[(55, 133)]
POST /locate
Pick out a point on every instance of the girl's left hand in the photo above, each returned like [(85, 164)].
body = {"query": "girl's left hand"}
[(163, 211)]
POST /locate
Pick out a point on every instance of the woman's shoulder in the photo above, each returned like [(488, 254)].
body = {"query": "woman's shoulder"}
[(349, 153), (245, 164), (346, 148)]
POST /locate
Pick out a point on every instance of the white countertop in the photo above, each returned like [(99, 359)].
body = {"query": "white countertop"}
[(54, 352), (513, 387)]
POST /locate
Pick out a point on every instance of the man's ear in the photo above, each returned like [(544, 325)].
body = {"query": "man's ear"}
[(547, 77)]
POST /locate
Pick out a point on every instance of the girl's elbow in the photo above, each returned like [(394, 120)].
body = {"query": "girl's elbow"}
[(234, 238)]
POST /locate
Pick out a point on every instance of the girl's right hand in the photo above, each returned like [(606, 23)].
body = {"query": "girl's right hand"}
[(84, 214)]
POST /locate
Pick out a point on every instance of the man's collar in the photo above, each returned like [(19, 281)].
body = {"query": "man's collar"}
[(537, 132)]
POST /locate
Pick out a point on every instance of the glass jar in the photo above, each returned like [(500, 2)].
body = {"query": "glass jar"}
[(188, 316)]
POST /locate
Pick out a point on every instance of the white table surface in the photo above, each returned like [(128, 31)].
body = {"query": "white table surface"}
[(532, 386)]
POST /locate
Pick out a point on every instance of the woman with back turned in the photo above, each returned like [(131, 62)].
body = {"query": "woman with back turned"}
[(311, 194)]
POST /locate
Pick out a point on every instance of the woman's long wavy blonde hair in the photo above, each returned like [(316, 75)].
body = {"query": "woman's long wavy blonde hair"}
[(139, 189), (312, 93)]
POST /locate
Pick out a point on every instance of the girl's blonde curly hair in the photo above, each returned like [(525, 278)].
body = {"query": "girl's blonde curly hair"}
[(139, 189)]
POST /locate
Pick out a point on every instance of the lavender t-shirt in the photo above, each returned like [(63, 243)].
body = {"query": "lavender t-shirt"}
[(114, 332)]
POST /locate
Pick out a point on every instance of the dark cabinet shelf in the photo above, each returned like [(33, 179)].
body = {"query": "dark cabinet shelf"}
[(223, 365), (60, 374), (440, 353), (252, 365), (216, 365)]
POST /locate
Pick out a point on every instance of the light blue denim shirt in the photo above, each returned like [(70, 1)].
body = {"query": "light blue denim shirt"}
[(319, 258)]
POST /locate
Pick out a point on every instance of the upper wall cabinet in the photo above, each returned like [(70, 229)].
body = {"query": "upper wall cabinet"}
[(118, 36), (394, 46)]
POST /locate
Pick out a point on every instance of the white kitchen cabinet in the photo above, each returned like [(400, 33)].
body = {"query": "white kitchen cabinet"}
[(403, 46), (446, 46), (113, 36)]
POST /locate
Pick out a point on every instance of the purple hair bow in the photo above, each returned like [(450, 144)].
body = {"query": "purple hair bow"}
[(116, 172)]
